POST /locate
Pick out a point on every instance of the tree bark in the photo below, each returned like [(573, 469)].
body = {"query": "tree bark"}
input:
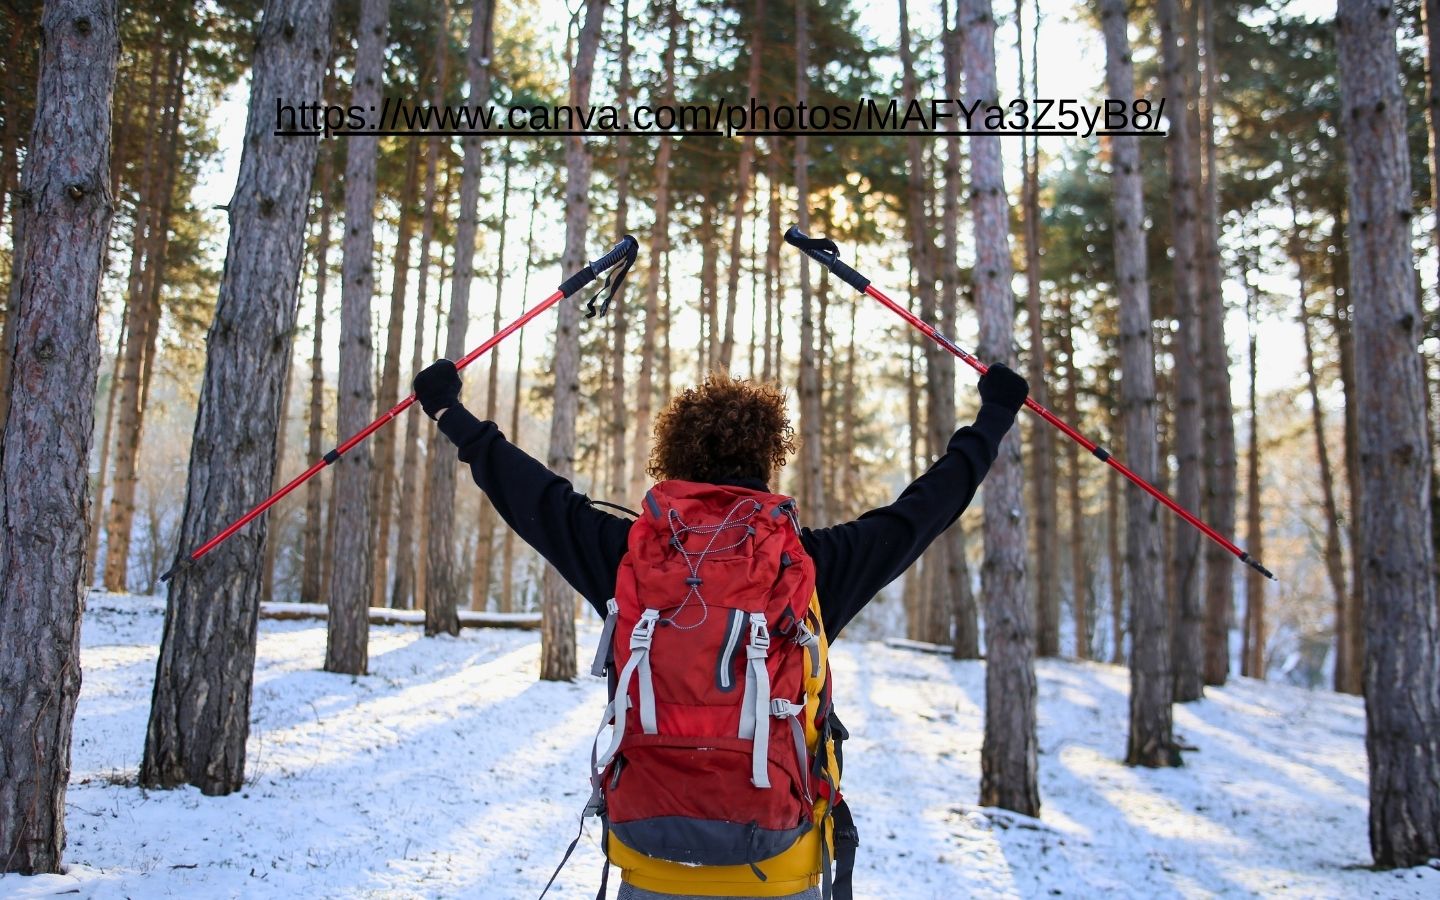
[(348, 627), (954, 592), (1044, 497), (1252, 661), (1217, 412), (619, 402), (267, 565), (932, 622), (812, 497), (481, 582), (1429, 13), (1187, 615), (743, 177), (1009, 752), (407, 553), (1353, 630), (1079, 567), (200, 712), (310, 573), (770, 368), (97, 497), (1402, 635), (44, 460), (384, 475), (1334, 558), (1151, 742), (557, 630), (139, 322), (507, 581), (442, 590)]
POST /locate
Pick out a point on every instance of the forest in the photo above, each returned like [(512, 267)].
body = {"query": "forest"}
[(1207, 233)]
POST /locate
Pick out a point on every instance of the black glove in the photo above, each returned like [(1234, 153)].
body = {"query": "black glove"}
[(437, 387), (1000, 385)]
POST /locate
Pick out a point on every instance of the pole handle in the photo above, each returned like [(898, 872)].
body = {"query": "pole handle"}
[(626, 249), (824, 251)]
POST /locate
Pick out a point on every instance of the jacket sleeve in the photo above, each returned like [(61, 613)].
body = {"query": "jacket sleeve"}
[(854, 560), (584, 544)]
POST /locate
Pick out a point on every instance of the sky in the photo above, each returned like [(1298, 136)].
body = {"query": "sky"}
[(1071, 65)]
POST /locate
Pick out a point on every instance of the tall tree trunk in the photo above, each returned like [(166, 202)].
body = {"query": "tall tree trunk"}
[(770, 369), (347, 632), (97, 497), (812, 497), (1402, 634), (933, 620), (1218, 414), (507, 581), (1044, 498), (667, 369), (44, 459), (619, 402), (742, 187), (310, 587), (197, 736), (1187, 615), (408, 549), (557, 630), (481, 581), (1009, 752), (158, 256), (1253, 660), (916, 577), (1151, 742), (1117, 565), (384, 476), (659, 242), (955, 585), (141, 319), (1334, 559), (267, 572), (1430, 12), (442, 589), (1079, 567)]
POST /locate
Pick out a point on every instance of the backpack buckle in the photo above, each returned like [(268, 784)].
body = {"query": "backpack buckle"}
[(644, 630), (781, 708), (759, 633)]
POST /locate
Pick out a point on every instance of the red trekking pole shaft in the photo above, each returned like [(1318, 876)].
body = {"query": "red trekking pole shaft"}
[(824, 252), (625, 250)]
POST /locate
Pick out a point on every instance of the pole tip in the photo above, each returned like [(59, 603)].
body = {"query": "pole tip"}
[(184, 562), (1253, 563)]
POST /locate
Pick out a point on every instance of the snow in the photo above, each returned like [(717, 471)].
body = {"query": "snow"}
[(450, 771)]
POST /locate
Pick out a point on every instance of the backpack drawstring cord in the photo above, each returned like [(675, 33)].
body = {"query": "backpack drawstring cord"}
[(693, 561)]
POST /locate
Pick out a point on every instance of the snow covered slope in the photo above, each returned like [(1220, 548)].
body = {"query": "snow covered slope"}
[(451, 772)]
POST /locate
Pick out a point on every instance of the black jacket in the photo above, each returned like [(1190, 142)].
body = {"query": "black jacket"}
[(853, 560)]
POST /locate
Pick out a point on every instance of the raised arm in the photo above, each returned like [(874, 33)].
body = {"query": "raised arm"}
[(584, 544), (854, 560)]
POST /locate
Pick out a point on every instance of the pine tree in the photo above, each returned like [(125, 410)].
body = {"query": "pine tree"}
[(1185, 557), (1151, 742), (198, 737), (557, 631), (348, 622), (47, 433), (1402, 634), (442, 589), (1008, 757)]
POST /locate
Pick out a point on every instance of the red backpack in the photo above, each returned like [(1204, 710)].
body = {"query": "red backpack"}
[(723, 751)]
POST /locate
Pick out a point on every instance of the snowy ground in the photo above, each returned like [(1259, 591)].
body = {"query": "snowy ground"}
[(451, 772)]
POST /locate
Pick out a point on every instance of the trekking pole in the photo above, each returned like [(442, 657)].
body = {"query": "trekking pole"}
[(824, 251), (623, 253)]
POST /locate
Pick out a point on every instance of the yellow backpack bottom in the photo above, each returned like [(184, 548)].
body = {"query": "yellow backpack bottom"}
[(786, 873)]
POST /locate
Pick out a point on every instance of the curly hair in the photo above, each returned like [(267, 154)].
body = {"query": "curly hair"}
[(724, 429)]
